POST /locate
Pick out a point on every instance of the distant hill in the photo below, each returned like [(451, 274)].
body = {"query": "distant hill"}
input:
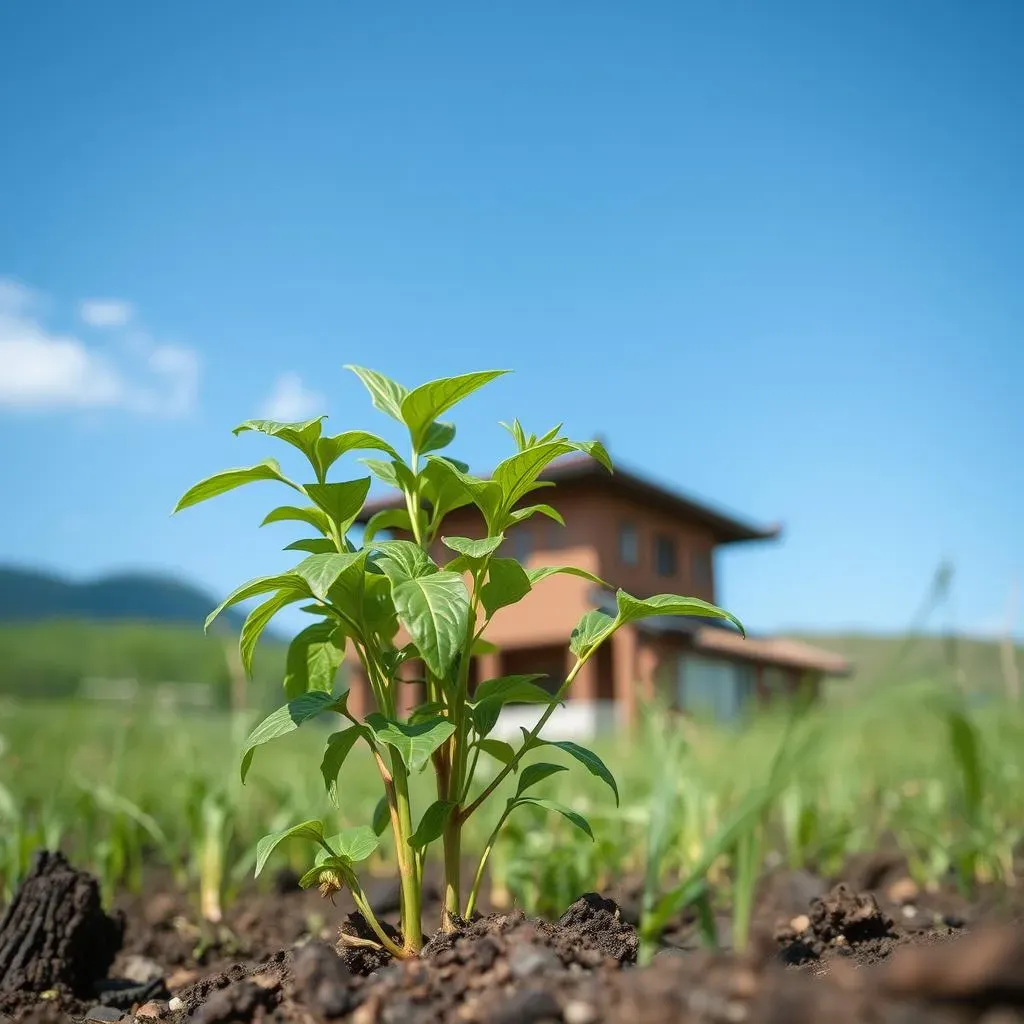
[(889, 660), (29, 595)]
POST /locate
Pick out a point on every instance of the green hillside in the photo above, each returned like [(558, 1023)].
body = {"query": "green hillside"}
[(889, 660), (69, 658)]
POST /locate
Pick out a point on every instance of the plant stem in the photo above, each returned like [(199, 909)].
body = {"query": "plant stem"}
[(363, 906), (474, 892), (530, 737), (452, 840), (412, 929)]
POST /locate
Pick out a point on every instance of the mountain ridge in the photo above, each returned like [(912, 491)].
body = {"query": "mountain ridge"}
[(32, 595)]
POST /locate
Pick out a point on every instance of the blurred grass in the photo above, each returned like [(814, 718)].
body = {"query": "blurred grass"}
[(136, 788)]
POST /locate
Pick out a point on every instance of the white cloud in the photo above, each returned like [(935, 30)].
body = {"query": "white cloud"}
[(43, 369), (290, 400), (106, 312)]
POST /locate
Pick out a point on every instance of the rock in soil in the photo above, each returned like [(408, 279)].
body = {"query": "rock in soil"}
[(54, 935)]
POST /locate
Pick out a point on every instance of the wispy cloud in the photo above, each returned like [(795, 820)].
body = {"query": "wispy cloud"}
[(106, 312), (290, 400), (44, 369)]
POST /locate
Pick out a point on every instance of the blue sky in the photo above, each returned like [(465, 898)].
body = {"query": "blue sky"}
[(772, 251)]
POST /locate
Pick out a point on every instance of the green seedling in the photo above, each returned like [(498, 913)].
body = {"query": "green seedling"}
[(393, 607)]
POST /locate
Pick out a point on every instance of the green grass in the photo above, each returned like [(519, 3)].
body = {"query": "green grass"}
[(135, 787)]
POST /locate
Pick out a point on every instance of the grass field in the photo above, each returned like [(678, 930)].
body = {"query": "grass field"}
[(135, 788)]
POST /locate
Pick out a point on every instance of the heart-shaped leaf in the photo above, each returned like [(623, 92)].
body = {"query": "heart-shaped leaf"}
[(435, 611)]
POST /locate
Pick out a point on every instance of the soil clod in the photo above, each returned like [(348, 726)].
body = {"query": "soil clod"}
[(54, 935)]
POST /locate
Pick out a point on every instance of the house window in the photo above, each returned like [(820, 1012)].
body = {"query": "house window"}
[(700, 568), (720, 690), (664, 556), (629, 544), (522, 543)]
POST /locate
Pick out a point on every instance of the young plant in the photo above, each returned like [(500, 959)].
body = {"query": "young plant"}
[(392, 605)]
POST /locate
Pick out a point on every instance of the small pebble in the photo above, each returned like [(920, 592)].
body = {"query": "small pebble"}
[(140, 969), (800, 924), (903, 890), (176, 1004), (152, 1009), (909, 912), (578, 1012)]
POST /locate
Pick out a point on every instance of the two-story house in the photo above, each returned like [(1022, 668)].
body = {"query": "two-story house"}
[(646, 539)]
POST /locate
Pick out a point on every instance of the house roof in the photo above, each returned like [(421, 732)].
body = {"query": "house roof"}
[(771, 651), (582, 469), (714, 637)]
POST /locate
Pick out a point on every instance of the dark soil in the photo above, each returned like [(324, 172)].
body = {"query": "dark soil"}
[(870, 948)]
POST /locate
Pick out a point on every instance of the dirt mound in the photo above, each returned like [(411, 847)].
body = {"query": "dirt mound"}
[(843, 922), (55, 938)]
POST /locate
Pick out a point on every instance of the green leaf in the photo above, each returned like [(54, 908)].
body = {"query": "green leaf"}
[(577, 819), (322, 572), (342, 501), (378, 607), (506, 584), (587, 758), (517, 474), (463, 489), (402, 560), (423, 405), (493, 694), (432, 824), (287, 719), (474, 551), (312, 830), (310, 514), (633, 608), (498, 749), (381, 816), (314, 545), (339, 745), (259, 618), (354, 844), (522, 514), (439, 435), (536, 773), (516, 688), (299, 435), (414, 743), (229, 479), (330, 449), (313, 659), (597, 451), (435, 611), (253, 588), (387, 519), (442, 489), (594, 627), (387, 394), (536, 575)]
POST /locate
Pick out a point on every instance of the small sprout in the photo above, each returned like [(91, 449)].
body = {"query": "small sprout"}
[(362, 597)]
